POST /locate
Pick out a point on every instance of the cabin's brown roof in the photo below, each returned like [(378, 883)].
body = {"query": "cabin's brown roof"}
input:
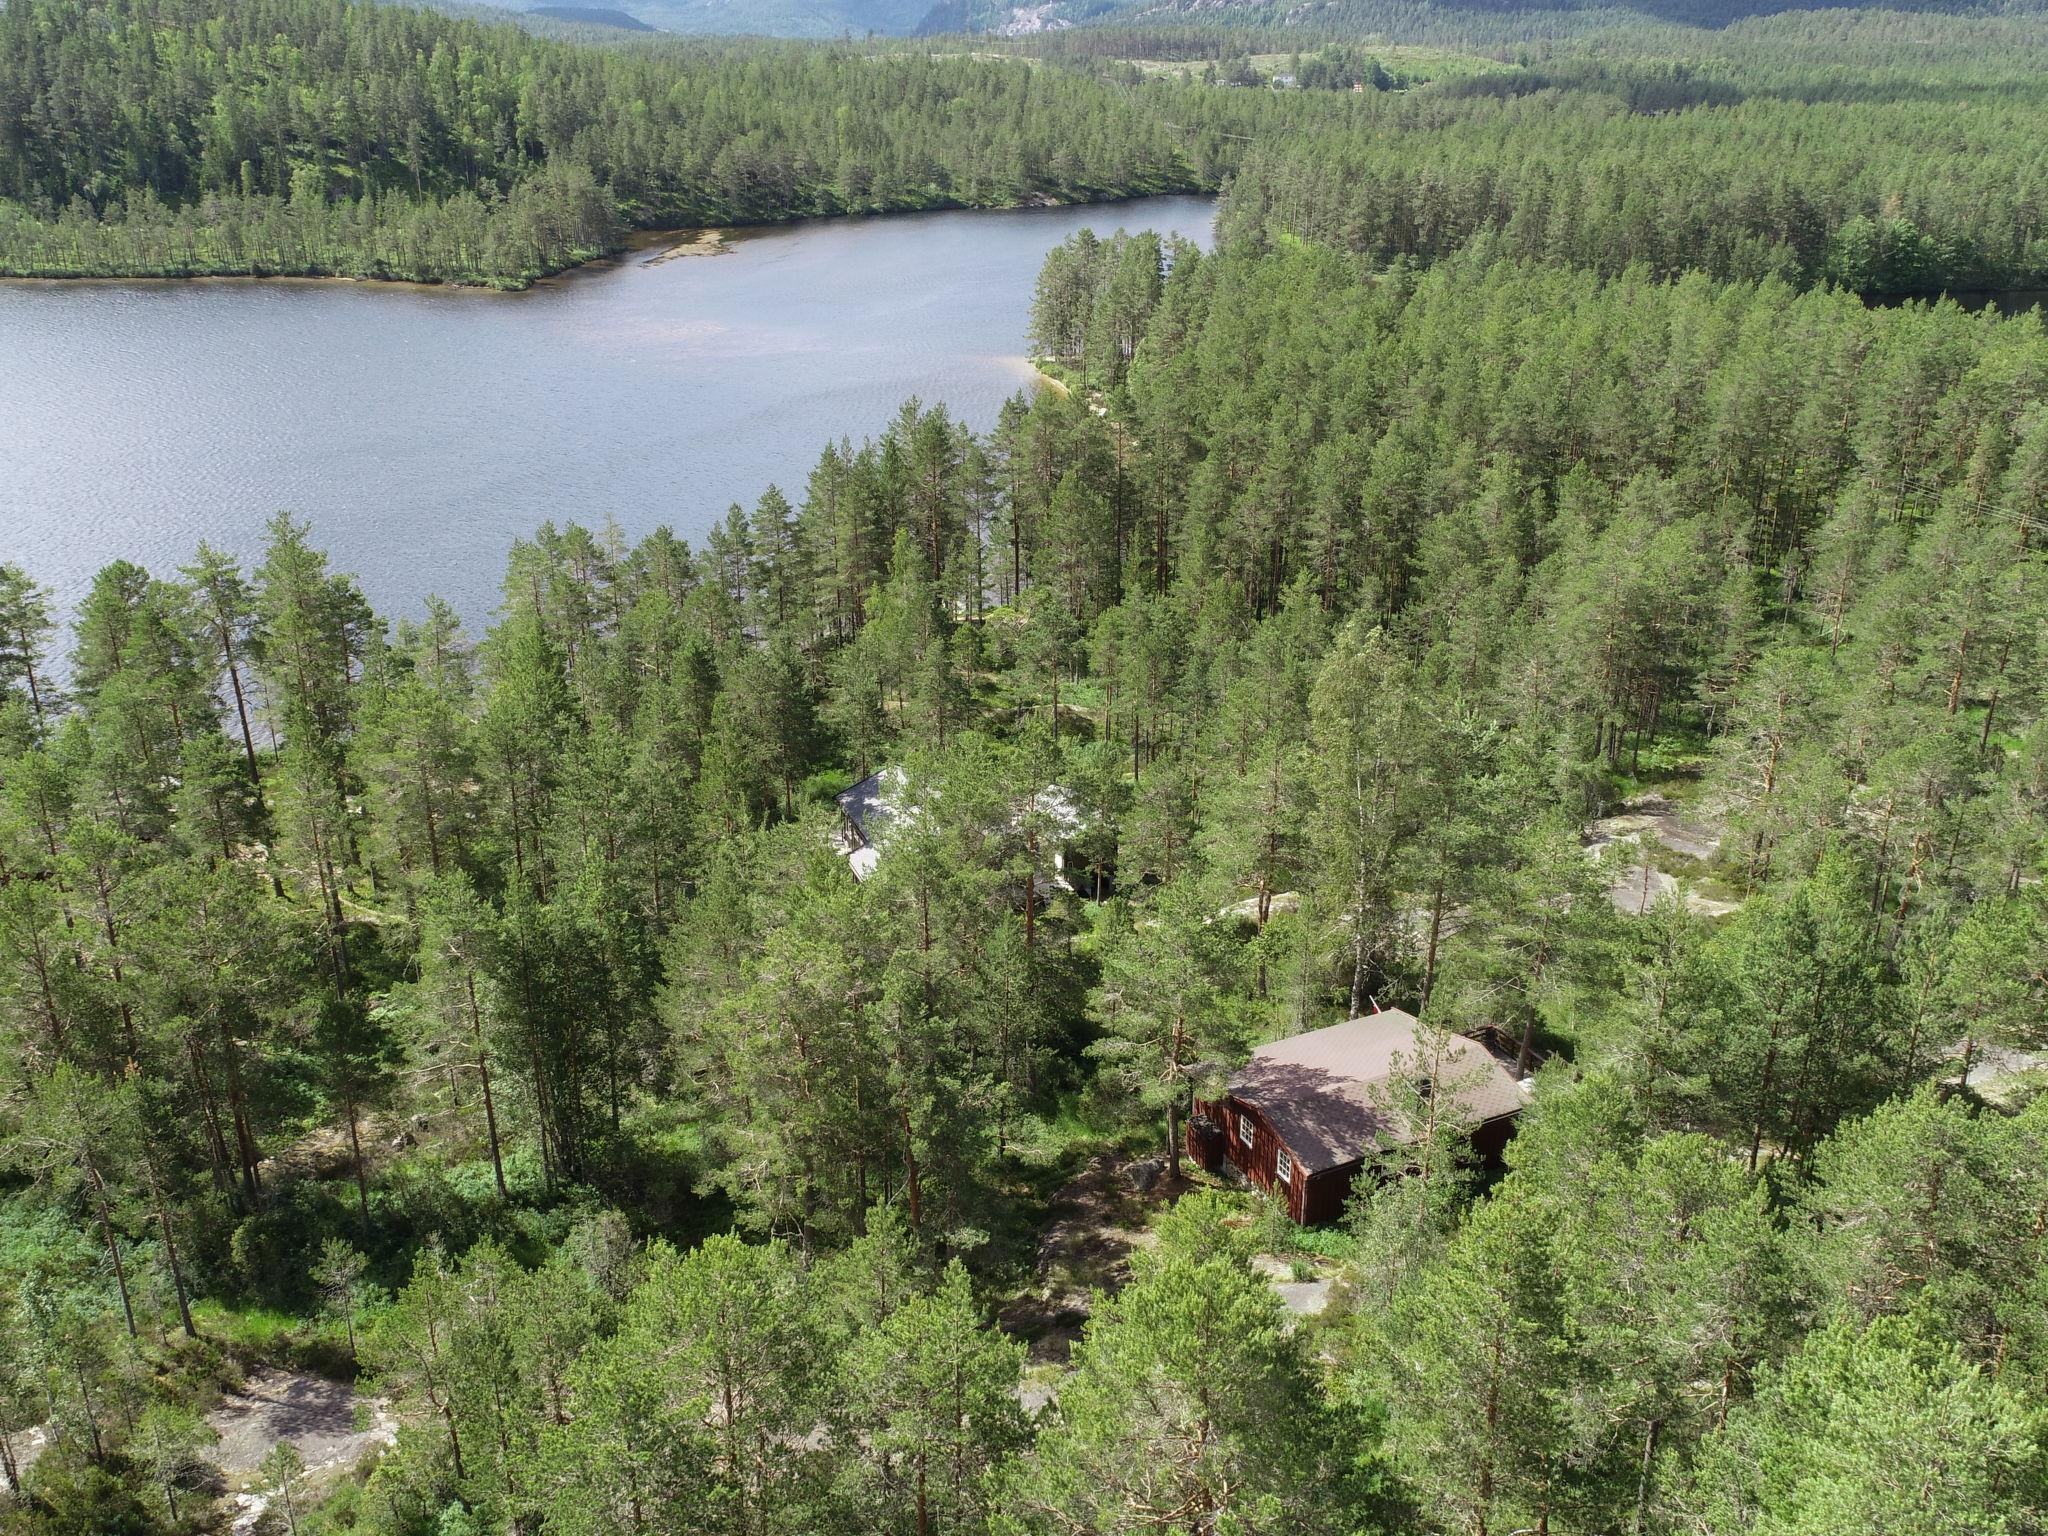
[(1317, 1089)]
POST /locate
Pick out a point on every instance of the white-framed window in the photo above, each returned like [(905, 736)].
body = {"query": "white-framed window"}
[(1246, 1126), (1283, 1166)]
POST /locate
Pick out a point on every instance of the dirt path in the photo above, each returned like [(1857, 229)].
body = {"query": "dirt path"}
[(1095, 1224)]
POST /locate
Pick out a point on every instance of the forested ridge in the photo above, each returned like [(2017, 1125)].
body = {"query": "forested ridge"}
[(1613, 169), (1882, 151), (1499, 20), (1599, 632), (286, 136), (1275, 25), (294, 136)]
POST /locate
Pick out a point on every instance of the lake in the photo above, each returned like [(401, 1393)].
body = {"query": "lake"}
[(422, 430)]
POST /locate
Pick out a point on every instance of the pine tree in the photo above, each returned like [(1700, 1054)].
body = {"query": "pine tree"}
[(933, 1405), (1876, 1428), (1166, 1004), (1190, 1404)]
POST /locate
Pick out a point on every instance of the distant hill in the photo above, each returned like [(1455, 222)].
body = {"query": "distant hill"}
[(786, 18), (1020, 18), (1410, 20), (1489, 22), (591, 16)]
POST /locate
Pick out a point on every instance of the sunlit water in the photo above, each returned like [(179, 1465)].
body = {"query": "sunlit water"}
[(423, 430)]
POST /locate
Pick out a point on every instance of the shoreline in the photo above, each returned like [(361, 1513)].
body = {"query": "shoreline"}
[(1045, 380), (695, 240)]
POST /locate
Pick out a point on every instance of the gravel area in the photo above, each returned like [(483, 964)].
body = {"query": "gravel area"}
[(1301, 1298)]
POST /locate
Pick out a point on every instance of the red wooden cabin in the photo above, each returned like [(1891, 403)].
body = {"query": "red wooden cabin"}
[(1302, 1114)]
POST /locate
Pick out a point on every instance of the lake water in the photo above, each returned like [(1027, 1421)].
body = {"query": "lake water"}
[(422, 430)]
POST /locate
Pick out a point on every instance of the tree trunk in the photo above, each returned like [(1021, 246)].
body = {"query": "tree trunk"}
[(92, 1418), (912, 1186), (1643, 1476), (35, 692), (99, 1200), (483, 1072), (1178, 1052), (238, 1106), (216, 1143), (163, 1217), (241, 709), (1756, 1136), (355, 1142), (454, 1441)]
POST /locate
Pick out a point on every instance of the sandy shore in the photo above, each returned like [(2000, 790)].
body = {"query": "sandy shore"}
[(685, 242)]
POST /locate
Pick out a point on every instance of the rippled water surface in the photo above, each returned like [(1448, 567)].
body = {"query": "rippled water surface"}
[(423, 430)]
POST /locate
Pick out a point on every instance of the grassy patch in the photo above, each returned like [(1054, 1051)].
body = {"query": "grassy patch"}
[(1058, 374), (1672, 763), (1308, 1247), (1419, 63), (257, 1335)]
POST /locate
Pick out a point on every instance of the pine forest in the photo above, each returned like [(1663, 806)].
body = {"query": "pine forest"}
[(739, 1042)]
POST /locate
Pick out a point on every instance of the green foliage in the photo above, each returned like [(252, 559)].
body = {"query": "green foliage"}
[(1883, 1427), (370, 988), (1190, 1401), (282, 137), (1699, 154), (1164, 1003)]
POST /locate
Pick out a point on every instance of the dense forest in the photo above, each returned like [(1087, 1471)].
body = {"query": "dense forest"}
[(1284, 23), (1517, 578), (295, 136), (1500, 19), (289, 136), (452, 993), (1883, 192)]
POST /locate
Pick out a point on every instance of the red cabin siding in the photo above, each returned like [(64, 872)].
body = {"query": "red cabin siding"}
[(1259, 1156), (1311, 1198), (1324, 1198)]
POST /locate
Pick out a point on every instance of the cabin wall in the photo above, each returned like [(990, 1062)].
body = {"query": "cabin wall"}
[(1491, 1139), (1257, 1156), (1325, 1193), (1311, 1199)]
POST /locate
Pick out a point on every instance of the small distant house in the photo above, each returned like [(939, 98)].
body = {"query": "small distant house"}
[(878, 802), (1301, 1116), (865, 812)]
